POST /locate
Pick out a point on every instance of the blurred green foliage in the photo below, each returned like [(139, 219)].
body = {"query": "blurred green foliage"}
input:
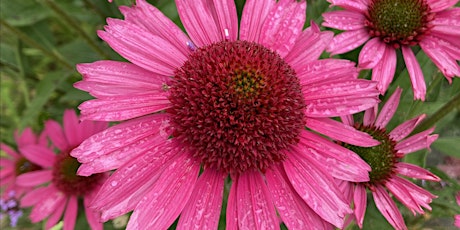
[(43, 40)]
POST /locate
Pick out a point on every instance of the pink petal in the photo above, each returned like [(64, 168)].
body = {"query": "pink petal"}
[(70, 216), (317, 188), (34, 178), (412, 196), (325, 70), (54, 218), (340, 162), (347, 120), (252, 19), (360, 202), (255, 207), (369, 115), (56, 134), (415, 73), (388, 110), (8, 150), (371, 53), (119, 144), (448, 44), (232, 209), (140, 47), (283, 25), (340, 98), (359, 6), (123, 107), (124, 189), (341, 132), (92, 216), (39, 155), (167, 197), (154, 21), (7, 163), (404, 129), (447, 17), (437, 5), (403, 195), (388, 208), (448, 66), (207, 21), (113, 78), (89, 128), (347, 41), (308, 47), (71, 129), (294, 212), (384, 71), (7, 176), (416, 142), (343, 20), (48, 205), (35, 196), (204, 206), (27, 137), (414, 171)]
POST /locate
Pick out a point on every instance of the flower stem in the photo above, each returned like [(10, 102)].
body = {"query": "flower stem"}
[(454, 103)]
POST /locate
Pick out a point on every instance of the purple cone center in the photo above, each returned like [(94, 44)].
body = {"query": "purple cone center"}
[(65, 176), (237, 105), (399, 22)]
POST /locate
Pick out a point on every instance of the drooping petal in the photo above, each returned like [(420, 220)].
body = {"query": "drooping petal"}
[(412, 196), (389, 109), (360, 202), (255, 207), (371, 53), (168, 195), (341, 132), (154, 21), (402, 194), (340, 98), (292, 209), (113, 78), (70, 216), (347, 41), (232, 209), (385, 69), (388, 208), (56, 134), (142, 48), (208, 22), (417, 142), (448, 66), (437, 6), (129, 184), (123, 107), (414, 171), (203, 208), (252, 19), (308, 47), (34, 178), (34, 196), (119, 144), (370, 115), (317, 188), (344, 20), (353, 5), (415, 73), (404, 129), (283, 25), (450, 17), (39, 155), (48, 205), (54, 218), (319, 71)]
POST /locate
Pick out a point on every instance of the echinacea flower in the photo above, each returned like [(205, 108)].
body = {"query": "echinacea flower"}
[(387, 25), (222, 102), (63, 187), (386, 164), (15, 163), (457, 217), (10, 206)]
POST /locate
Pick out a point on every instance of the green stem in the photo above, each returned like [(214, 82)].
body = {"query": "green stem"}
[(74, 25), (54, 55), (438, 115)]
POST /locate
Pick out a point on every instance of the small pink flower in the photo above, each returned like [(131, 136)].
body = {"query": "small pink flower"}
[(222, 101), (386, 164), (16, 163), (387, 25), (64, 188)]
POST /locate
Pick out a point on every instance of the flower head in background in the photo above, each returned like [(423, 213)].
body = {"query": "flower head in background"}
[(58, 171), (386, 25), (386, 164), (10, 206), (15, 163), (229, 102)]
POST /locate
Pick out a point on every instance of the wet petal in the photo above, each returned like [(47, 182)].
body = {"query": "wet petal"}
[(416, 142), (360, 202), (359, 5), (415, 73), (323, 70), (404, 129), (48, 205), (371, 53), (232, 209), (347, 41), (385, 69), (388, 208), (343, 20), (448, 65), (437, 5), (254, 14), (414, 171), (389, 109)]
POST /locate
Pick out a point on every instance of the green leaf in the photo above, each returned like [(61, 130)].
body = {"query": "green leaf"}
[(448, 145), (23, 13)]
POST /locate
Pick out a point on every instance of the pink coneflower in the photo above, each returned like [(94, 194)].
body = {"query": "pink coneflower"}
[(387, 25), (224, 105), (64, 187), (15, 163), (457, 217), (385, 161)]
